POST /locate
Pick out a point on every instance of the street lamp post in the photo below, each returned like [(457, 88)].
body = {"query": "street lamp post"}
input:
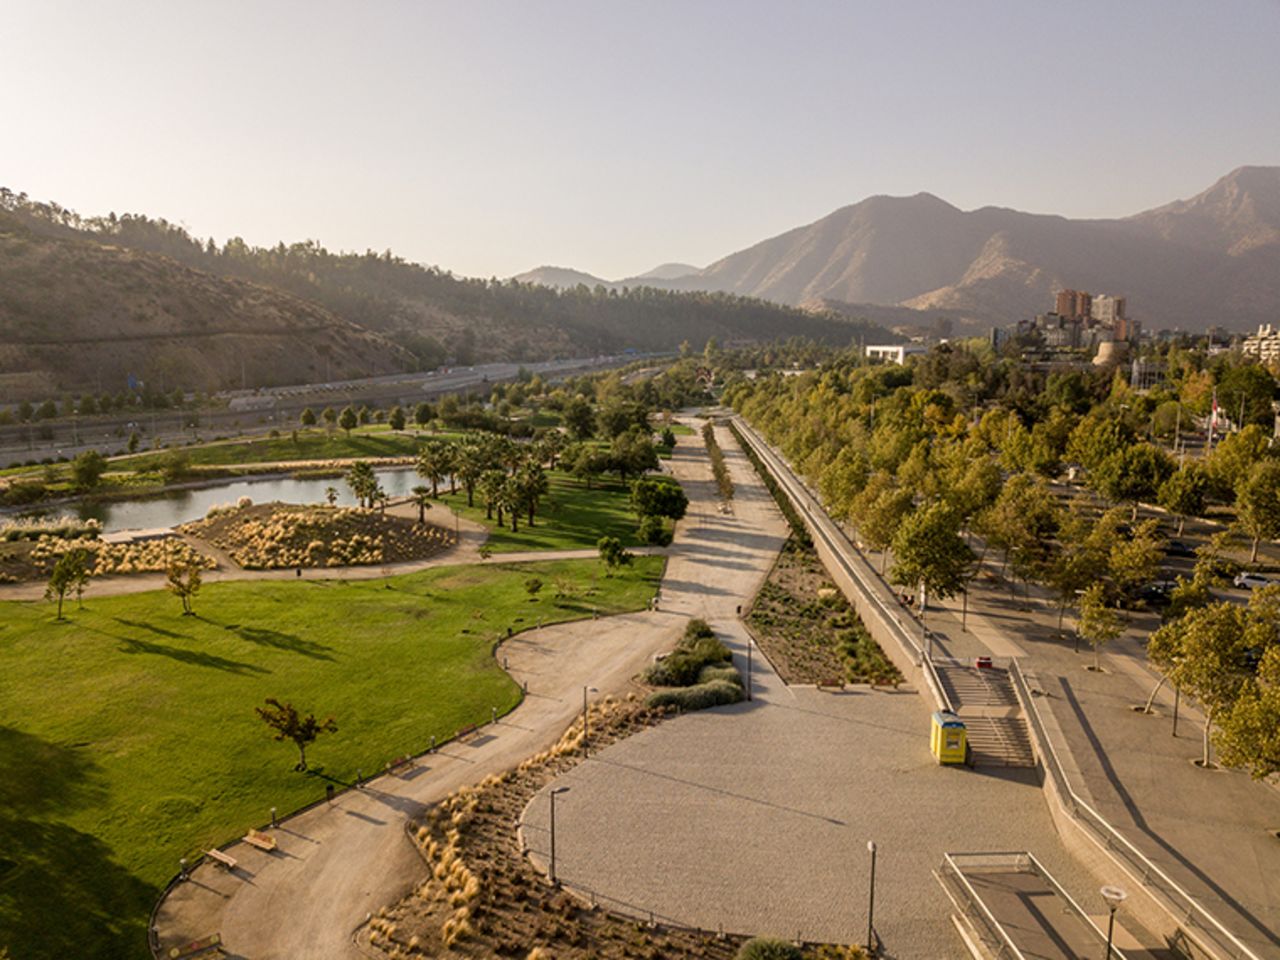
[(1114, 897), (871, 901), (551, 872), (748, 668), (585, 691)]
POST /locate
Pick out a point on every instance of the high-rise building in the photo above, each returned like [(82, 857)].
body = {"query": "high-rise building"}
[(1073, 304), (1108, 310)]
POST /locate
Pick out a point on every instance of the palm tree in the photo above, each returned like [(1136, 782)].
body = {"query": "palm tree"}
[(432, 465), (512, 496), (532, 482), (422, 497), (331, 495), (490, 484), (362, 481), (470, 461)]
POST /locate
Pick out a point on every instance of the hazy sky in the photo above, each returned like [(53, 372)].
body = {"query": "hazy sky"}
[(491, 137)]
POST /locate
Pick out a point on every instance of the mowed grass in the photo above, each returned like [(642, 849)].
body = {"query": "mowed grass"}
[(128, 736), (313, 444), (570, 517)]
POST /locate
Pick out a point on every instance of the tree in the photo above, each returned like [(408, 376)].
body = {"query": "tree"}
[(288, 724), (668, 438), (654, 497), (68, 572), (1095, 438), (396, 419), (348, 420), (633, 452), (423, 414), (1211, 666), (1077, 562), (1135, 561), (1022, 522), (1184, 494), (87, 469), (331, 495), (307, 418), (182, 579), (587, 463), (490, 487), (1258, 505), (928, 551), (433, 463), (1247, 387), (1235, 457), (613, 553), (330, 417), (1132, 474), (1099, 623), (134, 441), (579, 419), (531, 485), (1249, 736), (422, 498), (879, 510), (362, 481), (469, 462)]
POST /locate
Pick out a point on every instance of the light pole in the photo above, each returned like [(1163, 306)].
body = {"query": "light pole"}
[(551, 872), (1114, 897), (871, 901), (585, 691), (748, 668)]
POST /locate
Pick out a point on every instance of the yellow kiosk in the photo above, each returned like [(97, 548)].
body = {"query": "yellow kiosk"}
[(948, 739)]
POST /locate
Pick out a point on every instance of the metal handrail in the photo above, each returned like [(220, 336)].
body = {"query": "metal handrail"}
[(971, 895), (1113, 839), (838, 549)]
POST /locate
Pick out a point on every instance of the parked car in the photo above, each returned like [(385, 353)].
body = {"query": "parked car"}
[(1251, 581), (1156, 594), (1176, 548)]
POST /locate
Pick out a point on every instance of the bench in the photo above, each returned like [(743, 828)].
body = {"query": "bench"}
[(469, 730), (399, 763), (263, 841), (831, 682), (210, 946), (222, 859)]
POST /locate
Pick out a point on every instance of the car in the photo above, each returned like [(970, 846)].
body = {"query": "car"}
[(1157, 594), (1251, 581), (1176, 548)]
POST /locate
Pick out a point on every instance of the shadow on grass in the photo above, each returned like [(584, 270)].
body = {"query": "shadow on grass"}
[(63, 894), (195, 658), (152, 628), (277, 640)]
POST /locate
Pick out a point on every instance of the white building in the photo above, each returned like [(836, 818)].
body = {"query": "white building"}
[(1265, 344), (894, 352)]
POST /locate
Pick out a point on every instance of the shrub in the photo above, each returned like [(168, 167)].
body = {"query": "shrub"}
[(683, 667), (768, 948), (700, 696), (654, 532), (715, 671)]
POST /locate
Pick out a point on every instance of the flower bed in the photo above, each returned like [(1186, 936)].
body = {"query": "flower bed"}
[(278, 536)]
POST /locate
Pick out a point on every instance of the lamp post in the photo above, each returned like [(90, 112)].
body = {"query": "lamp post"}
[(748, 668), (1114, 897), (871, 901), (551, 872), (585, 691)]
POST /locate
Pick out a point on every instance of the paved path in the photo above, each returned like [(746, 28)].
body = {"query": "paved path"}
[(338, 863), (755, 817)]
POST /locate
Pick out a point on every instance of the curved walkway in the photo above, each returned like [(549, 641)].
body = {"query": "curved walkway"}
[(338, 863)]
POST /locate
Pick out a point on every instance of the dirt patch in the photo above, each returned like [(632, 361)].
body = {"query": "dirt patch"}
[(272, 536), (483, 897), (807, 628)]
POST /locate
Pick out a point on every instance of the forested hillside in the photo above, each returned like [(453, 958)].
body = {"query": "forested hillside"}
[(429, 315)]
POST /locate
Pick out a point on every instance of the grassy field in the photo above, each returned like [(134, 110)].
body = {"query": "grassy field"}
[(128, 737), (314, 444), (571, 516)]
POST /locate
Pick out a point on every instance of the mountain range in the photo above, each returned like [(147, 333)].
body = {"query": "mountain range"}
[(1212, 259)]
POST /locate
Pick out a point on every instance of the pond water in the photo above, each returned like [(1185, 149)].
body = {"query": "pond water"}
[(180, 506)]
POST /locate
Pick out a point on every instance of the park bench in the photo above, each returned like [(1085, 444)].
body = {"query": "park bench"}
[(467, 731), (399, 763), (263, 841), (222, 859), (210, 946), (831, 682)]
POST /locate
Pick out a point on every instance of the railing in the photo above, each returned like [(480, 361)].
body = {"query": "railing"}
[(996, 939), (956, 864), (1179, 903), (840, 547)]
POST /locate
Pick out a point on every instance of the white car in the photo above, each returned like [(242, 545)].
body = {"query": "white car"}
[(1251, 581)]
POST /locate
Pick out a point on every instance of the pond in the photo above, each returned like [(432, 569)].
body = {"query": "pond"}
[(180, 506)]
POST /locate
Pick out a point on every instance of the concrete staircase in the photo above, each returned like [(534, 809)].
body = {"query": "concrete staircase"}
[(985, 700)]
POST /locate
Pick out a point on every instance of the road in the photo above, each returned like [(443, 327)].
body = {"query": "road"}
[(281, 407)]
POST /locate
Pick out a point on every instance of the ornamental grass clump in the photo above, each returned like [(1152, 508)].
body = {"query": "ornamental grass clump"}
[(698, 673)]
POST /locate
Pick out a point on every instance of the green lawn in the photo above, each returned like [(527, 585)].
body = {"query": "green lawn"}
[(571, 516), (128, 737), (314, 444), (680, 430)]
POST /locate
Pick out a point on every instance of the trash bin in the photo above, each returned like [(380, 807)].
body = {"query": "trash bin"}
[(948, 739)]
